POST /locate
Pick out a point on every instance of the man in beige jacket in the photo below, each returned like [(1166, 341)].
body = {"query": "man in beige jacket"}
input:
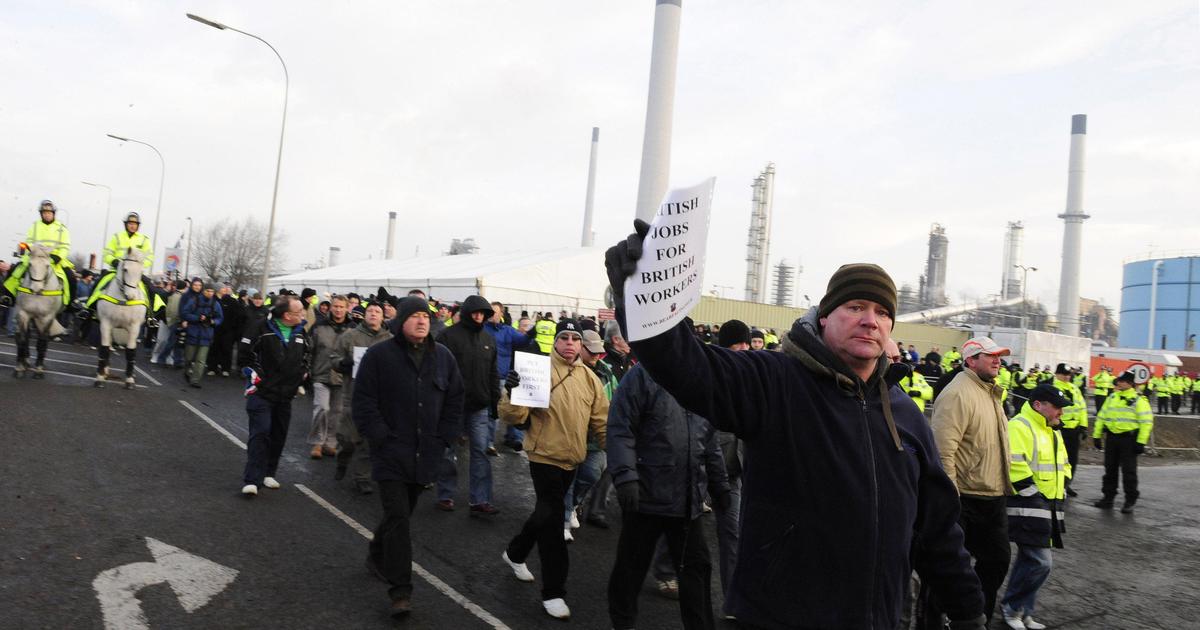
[(556, 443), (971, 431)]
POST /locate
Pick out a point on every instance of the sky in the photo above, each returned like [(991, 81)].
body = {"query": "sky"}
[(473, 119)]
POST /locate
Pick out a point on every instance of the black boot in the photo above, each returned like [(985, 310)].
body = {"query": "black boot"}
[(1127, 507), (1104, 504)]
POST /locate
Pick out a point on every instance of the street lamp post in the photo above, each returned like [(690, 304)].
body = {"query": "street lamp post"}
[(162, 177), (279, 156), (107, 210), (187, 262), (1024, 293)]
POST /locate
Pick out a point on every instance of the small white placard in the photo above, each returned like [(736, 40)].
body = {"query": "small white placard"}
[(359, 351), (534, 390)]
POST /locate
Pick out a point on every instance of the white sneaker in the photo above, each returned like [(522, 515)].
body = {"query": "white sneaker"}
[(557, 608), (1013, 622), (520, 571), (567, 535), (271, 483), (1030, 624), (574, 520), (250, 489), (153, 361)]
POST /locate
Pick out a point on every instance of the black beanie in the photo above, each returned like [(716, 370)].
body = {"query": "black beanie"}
[(305, 294), (407, 307), (732, 332), (859, 281)]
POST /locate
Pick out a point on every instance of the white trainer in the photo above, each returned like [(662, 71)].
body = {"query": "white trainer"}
[(557, 608), (520, 571), (250, 489), (574, 520), (1030, 624), (1013, 622), (567, 535), (271, 483)]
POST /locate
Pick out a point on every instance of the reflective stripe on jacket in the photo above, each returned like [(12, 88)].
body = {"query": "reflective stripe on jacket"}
[(1038, 470), (1123, 412)]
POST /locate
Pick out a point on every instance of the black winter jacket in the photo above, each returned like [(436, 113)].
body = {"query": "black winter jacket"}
[(670, 452), (832, 510), (409, 413), (281, 365), (474, 350)]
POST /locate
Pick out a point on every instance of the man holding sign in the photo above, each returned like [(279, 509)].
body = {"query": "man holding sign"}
[(352, 450), (842, 480), (556, 442)]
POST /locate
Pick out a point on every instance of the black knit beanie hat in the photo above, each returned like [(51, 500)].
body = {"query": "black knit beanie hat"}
[(733, 331), (407, 307), (859, 281)]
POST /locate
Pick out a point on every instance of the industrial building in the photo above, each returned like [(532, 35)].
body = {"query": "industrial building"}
[(1160, 303)]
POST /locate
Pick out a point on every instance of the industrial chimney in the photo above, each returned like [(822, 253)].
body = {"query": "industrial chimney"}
[(758, 242), (1068, 284), (660, 107), (588, 236), (1010, 278), (391, 237), (335, 256), (933, 283)]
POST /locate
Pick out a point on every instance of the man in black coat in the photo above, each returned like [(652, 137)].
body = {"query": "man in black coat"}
[(220, 356), (474, 350), (408, 401), (843, 483)]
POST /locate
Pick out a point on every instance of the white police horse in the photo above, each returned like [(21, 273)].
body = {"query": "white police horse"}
[(122, 307), (39, 300)]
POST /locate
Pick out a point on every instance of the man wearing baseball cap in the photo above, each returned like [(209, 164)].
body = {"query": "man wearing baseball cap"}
[(841, 477), (1124, 423), (971, 431), (1038, 471)]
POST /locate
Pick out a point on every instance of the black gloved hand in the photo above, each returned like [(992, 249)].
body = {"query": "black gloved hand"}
[(55, 259), (620, 260), (721, 500), (977, 623), (1098, 443), (913, 393), (1138, 448), (512, 380), (627, 496)]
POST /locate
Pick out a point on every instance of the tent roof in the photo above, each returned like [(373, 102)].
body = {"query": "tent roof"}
[(417, 271)]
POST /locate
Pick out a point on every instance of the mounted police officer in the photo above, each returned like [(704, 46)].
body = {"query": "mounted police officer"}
[(115, 250), (50, 233)]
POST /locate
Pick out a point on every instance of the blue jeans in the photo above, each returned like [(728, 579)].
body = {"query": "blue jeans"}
[(169, 346), (478, 427), (268, 431), (1029, 572), (727, 532), (586, 476)]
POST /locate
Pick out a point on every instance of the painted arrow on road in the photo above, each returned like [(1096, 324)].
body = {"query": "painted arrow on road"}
[(195, 581)]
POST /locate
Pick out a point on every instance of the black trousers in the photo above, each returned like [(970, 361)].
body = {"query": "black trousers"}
[(391, 548), (1119, 458), (984, 521), (1099, 400), (269, 423), (1195, 402), (689, 554), (1176, 402), (1071, 438), (544, 528), (1164, 403), (220, 355)]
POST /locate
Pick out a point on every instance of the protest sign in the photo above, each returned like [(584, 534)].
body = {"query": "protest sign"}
[(667, 284), (534, 390), (359, 351)]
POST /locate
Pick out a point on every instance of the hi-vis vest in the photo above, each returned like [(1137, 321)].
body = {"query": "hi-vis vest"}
[(1038, 470), (121, 242), (917, 383), (1075, 415), (1103, 383), (53, 236), (1124, 412), (1004, 380), (545, 335)]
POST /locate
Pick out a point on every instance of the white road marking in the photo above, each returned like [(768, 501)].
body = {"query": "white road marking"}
[(446, 589), (435, 581), (195, 581), (86, 378), (147, 375), (213, 423), (75, 354)]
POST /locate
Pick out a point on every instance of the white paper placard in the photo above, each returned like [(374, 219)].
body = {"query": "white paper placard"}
[(359, 351), (534, 390), (668, 281)]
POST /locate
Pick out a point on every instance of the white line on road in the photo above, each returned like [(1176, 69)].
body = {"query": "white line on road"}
[(435, 581), (86, 378), (220, 429), (147, 375), (446, 589), (74, 354)]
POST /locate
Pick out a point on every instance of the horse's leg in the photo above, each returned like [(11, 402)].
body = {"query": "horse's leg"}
[(39, 368), (22, 341), (130, 355), (105, 349)]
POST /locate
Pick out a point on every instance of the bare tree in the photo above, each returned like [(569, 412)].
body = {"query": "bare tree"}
[(233, 251)]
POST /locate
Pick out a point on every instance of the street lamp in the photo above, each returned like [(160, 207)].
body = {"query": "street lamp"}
[(161, 178), (103, 228), (1024, 292), (279, 157), (187, 262)]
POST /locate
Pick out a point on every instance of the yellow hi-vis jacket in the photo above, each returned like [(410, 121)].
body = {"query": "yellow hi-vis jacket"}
[(1004, 380), (1102, 383), (1175, 384), (950, 357), (53, 236), (121, 242), (1159, 385), (545, 335), (917, 384), (1124, 412), (1038, 470), (1075, 415)]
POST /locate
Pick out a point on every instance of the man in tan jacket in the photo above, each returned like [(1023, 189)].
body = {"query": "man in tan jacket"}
[(556, 443), (971, 431)]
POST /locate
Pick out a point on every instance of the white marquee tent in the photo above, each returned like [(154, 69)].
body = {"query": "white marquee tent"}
[(570, 278)]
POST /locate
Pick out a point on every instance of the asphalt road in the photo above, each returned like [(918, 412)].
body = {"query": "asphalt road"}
[(92, 478)]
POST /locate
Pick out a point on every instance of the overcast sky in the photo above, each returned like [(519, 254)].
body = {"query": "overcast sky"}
[(473, 119)]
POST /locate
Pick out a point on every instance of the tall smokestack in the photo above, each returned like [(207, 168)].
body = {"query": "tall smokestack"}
[(391, 239), (335, 256), (1068, 284), (588, 236), (660, 105), (1010, 279)]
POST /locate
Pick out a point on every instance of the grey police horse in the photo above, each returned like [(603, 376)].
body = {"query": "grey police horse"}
[(121, 306), (39, 300)]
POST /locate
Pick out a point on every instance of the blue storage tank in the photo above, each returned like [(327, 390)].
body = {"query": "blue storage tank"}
[(1177, 308)]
